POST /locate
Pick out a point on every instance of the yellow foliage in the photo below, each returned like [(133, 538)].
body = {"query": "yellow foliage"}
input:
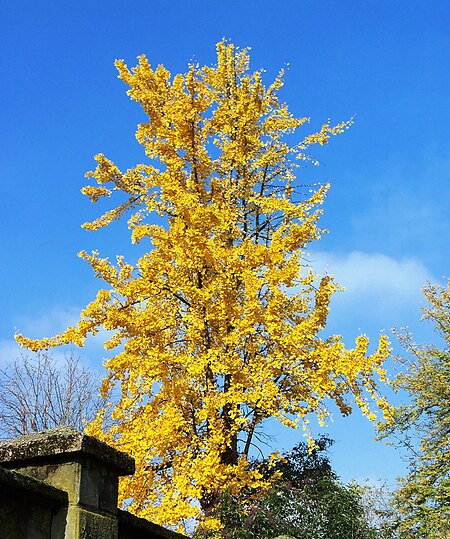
[(218, 326)]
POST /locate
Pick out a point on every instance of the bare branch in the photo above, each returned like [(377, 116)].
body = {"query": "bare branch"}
[(38, 392)]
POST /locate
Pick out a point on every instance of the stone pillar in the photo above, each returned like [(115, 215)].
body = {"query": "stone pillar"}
[(87, 469)]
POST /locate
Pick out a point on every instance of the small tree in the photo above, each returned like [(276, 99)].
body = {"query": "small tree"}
[(38, 393), (380, 509), (307, 502), (422, 427), (218, 325)]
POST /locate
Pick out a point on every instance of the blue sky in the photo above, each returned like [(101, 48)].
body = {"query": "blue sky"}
[(385, 63)]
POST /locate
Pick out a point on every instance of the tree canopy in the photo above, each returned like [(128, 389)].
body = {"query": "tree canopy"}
[(422, 427), (308, 501), (218, 326)]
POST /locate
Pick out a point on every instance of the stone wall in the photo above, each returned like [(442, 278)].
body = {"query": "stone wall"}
[(62, 484)]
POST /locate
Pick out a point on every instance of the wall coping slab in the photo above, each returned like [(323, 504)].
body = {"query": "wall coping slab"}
[(62, 444), (28, 487)]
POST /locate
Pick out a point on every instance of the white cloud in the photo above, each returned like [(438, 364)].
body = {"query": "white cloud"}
[(9, 350), (380, 291), (364, 274), (48, 323), (51, 323)]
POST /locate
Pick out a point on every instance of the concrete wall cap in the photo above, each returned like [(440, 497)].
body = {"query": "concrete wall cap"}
[(27, 487), (64, 444)]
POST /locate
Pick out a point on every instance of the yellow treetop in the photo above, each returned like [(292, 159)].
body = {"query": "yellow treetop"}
[(218, 326)]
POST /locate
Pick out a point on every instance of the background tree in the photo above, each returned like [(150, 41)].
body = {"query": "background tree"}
[(307, 502), (380, 509), (38, 392), (422, 427), (218, 325)]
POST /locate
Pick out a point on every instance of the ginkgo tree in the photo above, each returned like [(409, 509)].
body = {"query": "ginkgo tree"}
[(218, 326)]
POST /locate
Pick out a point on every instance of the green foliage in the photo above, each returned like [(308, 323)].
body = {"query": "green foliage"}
[(422, 427), (309, 502), (302, 466)]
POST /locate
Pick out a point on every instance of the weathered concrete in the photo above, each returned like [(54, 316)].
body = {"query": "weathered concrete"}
[(63, 443), (62, 484), (30, 509)]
